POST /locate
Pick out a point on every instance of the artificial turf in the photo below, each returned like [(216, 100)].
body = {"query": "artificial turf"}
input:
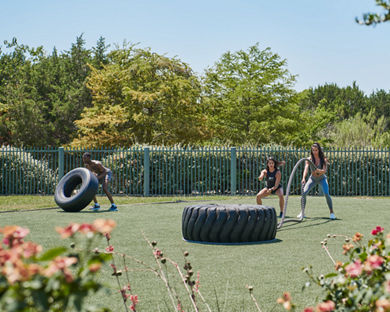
[(225, 270)]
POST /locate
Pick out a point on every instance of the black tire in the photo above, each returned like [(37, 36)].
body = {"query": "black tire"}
[(64, 192), (229, 223)]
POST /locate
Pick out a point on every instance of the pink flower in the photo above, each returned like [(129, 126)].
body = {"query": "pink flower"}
[(197, 282), (123, 293), (382, 305), (377, 230), (134, 300), (179, 308), (357, 237), (13, 234), (326, 306), (61, 264), (375, 261), (104, 226), (347, 248), (86, 228), (308, 309), (109, 249), (354, 269), (68, 231), (157, 253), (285, 300), (387, 286), (30, 249)]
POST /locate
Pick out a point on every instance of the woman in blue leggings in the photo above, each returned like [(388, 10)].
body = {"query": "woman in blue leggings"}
[(317, 177)]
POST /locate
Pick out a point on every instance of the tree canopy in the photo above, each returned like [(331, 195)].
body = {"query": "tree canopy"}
[(149, 98), (130, 95)]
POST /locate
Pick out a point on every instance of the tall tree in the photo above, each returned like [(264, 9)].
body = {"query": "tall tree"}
[(344, 102), (42, 95), (250, 99), (152, 98)]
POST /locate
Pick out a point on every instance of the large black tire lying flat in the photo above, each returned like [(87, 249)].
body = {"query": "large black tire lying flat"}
[(229, 223), (64, 196)]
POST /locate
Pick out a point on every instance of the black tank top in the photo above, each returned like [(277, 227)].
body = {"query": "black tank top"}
[(271, 178)]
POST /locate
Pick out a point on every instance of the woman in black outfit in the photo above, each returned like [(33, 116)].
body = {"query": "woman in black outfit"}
[(273, 179)]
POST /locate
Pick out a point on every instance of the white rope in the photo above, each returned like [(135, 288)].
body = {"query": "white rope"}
[(313, 166)]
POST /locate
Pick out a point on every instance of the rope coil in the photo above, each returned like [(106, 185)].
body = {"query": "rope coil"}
[(282, 221)]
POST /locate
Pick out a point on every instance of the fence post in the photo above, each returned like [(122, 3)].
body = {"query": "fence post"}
[(233, 171), (146, 171), (60, 163)]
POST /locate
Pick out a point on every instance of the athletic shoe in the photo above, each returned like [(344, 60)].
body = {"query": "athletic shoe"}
[(113, 208), (332, 216), (300, 215), (95, 207), (281, 215)]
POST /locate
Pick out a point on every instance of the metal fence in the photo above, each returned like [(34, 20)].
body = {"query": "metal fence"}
[(163, 171)]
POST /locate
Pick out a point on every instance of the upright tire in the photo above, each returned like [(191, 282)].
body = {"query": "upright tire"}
[(229, 223), (64, 196)]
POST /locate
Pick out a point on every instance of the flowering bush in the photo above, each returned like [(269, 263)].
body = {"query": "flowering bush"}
[(363, 282), (56, 280)]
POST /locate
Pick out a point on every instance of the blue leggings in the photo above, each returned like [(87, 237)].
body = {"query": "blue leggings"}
[(312, 182)]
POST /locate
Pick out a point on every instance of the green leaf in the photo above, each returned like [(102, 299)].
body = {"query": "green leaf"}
[(52, 253), (331, 275)]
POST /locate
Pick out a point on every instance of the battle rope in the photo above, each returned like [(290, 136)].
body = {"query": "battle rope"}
[(313, 167)]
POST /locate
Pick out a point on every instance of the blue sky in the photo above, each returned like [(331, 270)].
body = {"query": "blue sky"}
[(319, 38)]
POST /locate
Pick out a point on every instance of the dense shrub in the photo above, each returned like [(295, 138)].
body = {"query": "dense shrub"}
[(362, 283), (21, 173)]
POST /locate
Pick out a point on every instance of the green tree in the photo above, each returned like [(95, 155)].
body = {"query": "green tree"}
[(343, 102), (20, 114), (380, 101), (152, 98), (361, 131), (250, 100), (376, 18), (42, 95)]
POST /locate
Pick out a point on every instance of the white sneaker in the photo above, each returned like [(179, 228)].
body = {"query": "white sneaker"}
[(300, 215), (332, 216)]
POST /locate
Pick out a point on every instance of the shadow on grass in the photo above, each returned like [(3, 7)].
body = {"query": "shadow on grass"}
[(316, 221), (29, 210), (275, 240)]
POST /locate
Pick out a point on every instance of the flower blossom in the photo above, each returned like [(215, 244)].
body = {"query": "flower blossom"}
[(109, 249), (357, 237), (61, 264), (374, 261), (285, 300), (377, 230), (347, 248), (387, 286), (13, 235), (382, 305), (134, 300), (69, 230), (354, 269), (326, 306), (104, 226)]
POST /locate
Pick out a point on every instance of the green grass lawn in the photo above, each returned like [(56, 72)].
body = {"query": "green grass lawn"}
[(225, 270)]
